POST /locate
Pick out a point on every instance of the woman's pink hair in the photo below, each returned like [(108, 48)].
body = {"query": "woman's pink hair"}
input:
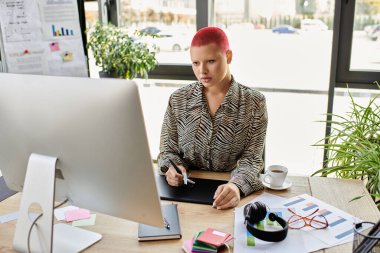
[(209, 35)]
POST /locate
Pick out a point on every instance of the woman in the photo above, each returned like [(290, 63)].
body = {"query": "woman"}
[(215, 124)]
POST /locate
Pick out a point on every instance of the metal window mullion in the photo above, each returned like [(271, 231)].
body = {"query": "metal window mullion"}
[(333, 73), (343, 74), (205, 13), (109, 11)]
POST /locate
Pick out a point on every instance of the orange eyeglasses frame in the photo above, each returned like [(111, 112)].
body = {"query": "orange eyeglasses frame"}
[(307, 220)]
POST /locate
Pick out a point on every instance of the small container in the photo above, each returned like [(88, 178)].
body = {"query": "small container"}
[(363, 242)]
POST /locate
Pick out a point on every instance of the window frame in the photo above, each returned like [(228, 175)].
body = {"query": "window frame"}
[(340, 74), (342, 45)]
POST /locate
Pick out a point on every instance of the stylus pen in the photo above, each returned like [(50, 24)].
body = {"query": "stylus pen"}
[(185, 179), (167, 225)]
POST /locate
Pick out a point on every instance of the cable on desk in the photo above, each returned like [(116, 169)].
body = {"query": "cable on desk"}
[(36, 219), (228, 247)]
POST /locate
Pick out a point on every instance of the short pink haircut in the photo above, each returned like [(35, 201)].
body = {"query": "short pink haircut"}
[(209, 35)]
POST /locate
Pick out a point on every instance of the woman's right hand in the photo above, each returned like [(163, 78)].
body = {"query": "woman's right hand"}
[(174, 178)]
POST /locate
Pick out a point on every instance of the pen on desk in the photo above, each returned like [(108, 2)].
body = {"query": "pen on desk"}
[(167, 224)]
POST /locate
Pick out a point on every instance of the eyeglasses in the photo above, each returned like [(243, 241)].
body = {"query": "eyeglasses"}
[(297, 221)]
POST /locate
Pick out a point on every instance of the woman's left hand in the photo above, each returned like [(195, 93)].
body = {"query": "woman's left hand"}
[(226, 196)]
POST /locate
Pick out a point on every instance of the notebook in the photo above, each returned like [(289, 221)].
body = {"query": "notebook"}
[(214, 237), (199, 246), (201, 193), (187, 246), (150, 233)]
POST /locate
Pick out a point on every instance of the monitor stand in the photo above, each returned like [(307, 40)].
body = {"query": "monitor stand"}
[(39, 187)]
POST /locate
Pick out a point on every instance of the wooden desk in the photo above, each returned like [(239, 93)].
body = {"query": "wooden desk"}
[(121, 235)]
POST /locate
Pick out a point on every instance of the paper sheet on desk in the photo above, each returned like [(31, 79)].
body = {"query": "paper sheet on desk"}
[(297, 236), (314, 244), (340, 229), (293, 242), (14, 216), (60, 212)]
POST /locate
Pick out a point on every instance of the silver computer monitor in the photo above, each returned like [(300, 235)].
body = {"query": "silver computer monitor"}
[(95, 128)]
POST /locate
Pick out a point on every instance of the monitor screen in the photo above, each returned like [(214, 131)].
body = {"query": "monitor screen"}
[(95, 128)]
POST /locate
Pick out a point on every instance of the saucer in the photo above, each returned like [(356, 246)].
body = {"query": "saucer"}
[(287, 183)]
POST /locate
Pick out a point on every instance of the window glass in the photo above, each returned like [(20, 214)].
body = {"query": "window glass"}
[(283, 49), (91, 13), (172, 22), (343, 103), (280, 47), (365, 52)]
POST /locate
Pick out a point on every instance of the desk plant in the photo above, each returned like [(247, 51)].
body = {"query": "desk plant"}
[(118, 53), (353, 148)]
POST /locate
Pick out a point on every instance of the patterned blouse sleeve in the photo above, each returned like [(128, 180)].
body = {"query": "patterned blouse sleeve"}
[(246, 175), (169, 140)]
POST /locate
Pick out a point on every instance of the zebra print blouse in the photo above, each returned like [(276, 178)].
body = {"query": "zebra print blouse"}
[(232, 140)]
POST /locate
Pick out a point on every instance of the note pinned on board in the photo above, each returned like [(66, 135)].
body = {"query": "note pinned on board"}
[(77, 214), (54, 47), (67, 56)]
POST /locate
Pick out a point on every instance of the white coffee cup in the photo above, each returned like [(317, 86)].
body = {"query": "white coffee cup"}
[(275, 175)]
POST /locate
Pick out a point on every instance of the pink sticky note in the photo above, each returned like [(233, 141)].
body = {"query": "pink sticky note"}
[(54, 46), (77, 214), (188, 246)]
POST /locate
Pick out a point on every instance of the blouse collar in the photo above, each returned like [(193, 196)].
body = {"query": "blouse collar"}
[(230, 100)]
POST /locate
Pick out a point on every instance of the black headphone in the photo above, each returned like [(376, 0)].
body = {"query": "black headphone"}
[(256, 212)]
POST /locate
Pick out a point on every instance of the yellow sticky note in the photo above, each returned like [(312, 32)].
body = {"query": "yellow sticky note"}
[(67, 56), (85, 222)]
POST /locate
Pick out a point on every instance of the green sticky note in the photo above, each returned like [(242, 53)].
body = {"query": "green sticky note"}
[(260, 225), (250, 239), (85, 222), (203, 246)]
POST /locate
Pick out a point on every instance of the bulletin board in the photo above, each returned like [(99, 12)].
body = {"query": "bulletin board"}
[(41, 37)]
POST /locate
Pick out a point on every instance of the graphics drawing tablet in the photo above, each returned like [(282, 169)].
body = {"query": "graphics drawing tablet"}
[(201, 193)]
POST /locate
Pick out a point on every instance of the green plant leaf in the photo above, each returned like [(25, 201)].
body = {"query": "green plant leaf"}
[(353, 147), (356, 198), (117, 52)]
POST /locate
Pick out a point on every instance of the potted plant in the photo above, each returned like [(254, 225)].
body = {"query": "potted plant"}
[(119, 54), (353, 147)]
